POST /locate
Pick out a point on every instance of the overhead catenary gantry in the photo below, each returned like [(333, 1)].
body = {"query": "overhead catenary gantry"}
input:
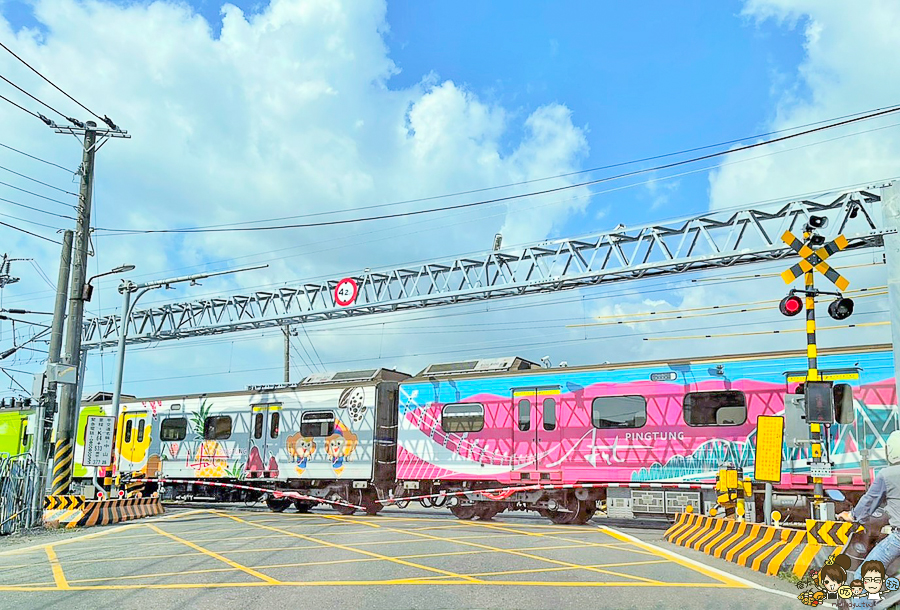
[(712, 240)]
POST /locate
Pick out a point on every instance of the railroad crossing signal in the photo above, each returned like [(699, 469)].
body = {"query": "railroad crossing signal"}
[(814, 259)]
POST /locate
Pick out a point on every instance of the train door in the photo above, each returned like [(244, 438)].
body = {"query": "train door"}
[(536, 427), (265, 429), (134, 432)]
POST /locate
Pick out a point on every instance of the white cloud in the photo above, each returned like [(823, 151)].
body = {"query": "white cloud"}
[(287, 112), (850, 53)]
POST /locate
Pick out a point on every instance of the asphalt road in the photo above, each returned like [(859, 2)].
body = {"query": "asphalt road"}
[(233, 558)]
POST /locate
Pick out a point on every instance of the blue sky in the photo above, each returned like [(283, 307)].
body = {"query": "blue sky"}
[(300, 106)]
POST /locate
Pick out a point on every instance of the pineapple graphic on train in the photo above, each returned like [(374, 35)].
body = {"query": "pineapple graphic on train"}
[(484, 436)]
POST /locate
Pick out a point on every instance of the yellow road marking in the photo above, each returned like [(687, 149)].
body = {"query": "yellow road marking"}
[(356, 583), (103, 532), (564, 568), (343, 561), (348, 520), (233, 564), (58, 575), (696, 567), (354, 550), (528, 555)]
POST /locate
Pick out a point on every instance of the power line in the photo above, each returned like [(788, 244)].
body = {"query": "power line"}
[(104, 119), (211, 229), (68, 205), (38, 181), (583, 171), (16, 150), (39, 101), (36, 115), (509, 345), (29, 233), (34, 209), (32, 222)]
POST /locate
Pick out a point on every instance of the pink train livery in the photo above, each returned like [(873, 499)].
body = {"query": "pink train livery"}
[(645, 438)]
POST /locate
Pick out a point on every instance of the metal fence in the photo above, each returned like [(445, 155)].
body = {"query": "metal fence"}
[(17, 477)]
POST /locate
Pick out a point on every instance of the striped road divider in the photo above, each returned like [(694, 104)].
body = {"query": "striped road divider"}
[(99, 512), (502, 493), (763, 548), (275, 492)]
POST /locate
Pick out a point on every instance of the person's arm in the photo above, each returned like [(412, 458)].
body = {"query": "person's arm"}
[(869, 502)]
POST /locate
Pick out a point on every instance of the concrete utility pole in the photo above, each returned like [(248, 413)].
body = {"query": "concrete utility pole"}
[(47, 404), (68, 403), (890, 206)]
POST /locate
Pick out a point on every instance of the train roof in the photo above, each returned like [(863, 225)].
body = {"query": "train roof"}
[(445, 371), (339, 379), (485, 365)]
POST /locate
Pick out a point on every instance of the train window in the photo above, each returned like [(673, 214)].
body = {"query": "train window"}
[(217, 428), (128, 424), (524, 415), (275, 416), (317, 423), (257, 425), (549, 414), (140, 435), (463, 417), (723, 408), (619, 412), (173, 429)]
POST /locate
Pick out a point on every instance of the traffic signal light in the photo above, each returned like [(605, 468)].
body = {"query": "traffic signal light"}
[(841, 308), (819, 402), (791, 305)]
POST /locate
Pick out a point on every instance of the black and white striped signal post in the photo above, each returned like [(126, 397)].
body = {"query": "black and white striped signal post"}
[(810, 261)]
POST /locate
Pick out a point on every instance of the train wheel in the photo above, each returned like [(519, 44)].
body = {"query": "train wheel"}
[(464, 512), (370, 501), (302, 506), (347, 497), (586, 510), (277, 505), (488, 510), (569, 513)]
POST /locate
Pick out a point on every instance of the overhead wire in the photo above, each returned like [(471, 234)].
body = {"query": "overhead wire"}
[(38, 181), (34, 209), (30, 67), (31, 222), (69, 205), (16, 150), (507, 198), (469, 349), (523, 182), (36, 115), (30, 233), (43, 103)]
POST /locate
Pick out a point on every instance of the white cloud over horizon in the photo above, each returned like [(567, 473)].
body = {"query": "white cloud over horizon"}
[(287, 112)]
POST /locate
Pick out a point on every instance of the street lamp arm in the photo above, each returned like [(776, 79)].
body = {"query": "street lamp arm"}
[(132, 287)]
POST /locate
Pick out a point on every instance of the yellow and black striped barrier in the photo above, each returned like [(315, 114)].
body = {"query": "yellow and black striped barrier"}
[(828, 533), (763, 548), (63, 502), (103, 512)]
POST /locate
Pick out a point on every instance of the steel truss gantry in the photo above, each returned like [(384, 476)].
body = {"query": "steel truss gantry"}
[(711, 240)]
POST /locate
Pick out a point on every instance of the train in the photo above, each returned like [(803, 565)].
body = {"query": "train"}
[(482, 436)]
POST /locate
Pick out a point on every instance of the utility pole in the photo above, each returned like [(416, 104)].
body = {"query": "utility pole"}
[(68, 398), (287, 353), (47, 403)]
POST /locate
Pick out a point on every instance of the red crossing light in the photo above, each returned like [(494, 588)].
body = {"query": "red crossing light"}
[(790, 305)]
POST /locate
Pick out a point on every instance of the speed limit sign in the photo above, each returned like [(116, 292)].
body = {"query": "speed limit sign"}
[(345, 292)]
